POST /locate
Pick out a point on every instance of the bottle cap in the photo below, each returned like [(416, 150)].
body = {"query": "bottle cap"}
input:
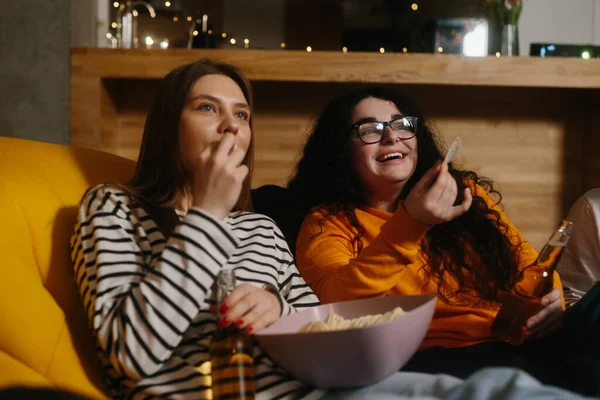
[(566, 227)]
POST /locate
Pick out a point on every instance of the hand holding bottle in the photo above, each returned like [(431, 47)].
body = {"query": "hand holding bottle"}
[(250, 308), (549, 319), (533, 307), (230, 350)]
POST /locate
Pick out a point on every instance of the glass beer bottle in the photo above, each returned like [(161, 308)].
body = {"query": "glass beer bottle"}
[(232, 365), (531, 284)]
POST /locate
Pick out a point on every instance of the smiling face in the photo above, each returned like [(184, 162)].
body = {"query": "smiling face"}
[(384, 167), (215, 105)]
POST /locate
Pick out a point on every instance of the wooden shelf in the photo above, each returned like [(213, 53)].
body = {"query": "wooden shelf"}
[(327, 66)]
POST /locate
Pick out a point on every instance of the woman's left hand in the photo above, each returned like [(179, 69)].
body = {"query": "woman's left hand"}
[(250, 308), (549, 319)]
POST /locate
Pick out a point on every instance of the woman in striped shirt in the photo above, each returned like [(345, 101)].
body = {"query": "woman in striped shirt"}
[(146, 254)]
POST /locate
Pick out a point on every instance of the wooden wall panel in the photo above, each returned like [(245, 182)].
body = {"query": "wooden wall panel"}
[(589, 123), (528, 140)]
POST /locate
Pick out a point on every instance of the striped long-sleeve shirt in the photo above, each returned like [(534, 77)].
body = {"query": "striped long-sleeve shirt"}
[(148, 299)]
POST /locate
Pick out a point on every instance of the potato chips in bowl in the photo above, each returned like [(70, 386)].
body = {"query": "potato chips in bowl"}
[(335, 322), (355, 343)]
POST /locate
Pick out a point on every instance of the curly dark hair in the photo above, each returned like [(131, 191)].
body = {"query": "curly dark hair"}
[(475, 249)]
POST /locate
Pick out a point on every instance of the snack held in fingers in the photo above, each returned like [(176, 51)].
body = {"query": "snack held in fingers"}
[(453, 151)]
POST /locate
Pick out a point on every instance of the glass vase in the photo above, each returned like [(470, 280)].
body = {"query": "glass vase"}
[(510, 40)]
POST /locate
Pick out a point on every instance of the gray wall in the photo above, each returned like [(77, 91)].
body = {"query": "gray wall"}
[(559, 21), (34, 69), (84, 22)]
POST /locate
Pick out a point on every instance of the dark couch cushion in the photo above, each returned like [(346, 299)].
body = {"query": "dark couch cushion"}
[(276, 202)]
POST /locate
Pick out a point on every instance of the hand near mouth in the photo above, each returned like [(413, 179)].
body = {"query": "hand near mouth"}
[(219, 177)]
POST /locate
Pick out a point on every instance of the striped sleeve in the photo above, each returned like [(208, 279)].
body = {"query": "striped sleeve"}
[(139, 304), (294, 291)]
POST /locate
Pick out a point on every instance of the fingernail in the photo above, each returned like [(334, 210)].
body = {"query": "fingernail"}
[(223, 309), (240, 322), (224, 321), (249, 329)]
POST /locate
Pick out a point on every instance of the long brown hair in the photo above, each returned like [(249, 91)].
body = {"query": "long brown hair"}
[(159, 175)]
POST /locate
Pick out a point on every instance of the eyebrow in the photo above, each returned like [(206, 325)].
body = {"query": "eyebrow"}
[(371, 119), (216, 100)]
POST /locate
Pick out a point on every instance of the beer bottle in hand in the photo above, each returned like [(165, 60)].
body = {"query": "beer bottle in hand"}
[(232, 365), (531, 284)]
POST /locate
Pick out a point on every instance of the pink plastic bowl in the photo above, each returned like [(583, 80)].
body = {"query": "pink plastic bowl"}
[(351, 358)]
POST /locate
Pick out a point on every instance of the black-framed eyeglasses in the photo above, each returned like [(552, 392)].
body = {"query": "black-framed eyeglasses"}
[(373, 131)]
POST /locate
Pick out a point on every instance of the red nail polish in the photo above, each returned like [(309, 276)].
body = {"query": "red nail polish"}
[(224, 321), (249, 329), (223, 309), (240, 322)]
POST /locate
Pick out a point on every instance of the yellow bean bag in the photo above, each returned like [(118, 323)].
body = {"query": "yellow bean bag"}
[(44, 338)]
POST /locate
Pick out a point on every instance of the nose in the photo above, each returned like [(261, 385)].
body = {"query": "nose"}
[(389, 136), (229, 124)]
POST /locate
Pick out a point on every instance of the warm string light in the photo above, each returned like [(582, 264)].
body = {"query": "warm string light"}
[(497, 54), (165, 43), (440, 49)]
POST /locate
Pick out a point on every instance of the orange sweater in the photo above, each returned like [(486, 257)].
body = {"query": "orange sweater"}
[(389, 264)]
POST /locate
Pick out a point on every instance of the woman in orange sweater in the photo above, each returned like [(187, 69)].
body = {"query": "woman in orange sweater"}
[(384, 216)]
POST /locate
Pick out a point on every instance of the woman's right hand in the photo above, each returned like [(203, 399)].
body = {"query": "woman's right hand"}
[(250, 308), (219, 177), (431, 200)]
